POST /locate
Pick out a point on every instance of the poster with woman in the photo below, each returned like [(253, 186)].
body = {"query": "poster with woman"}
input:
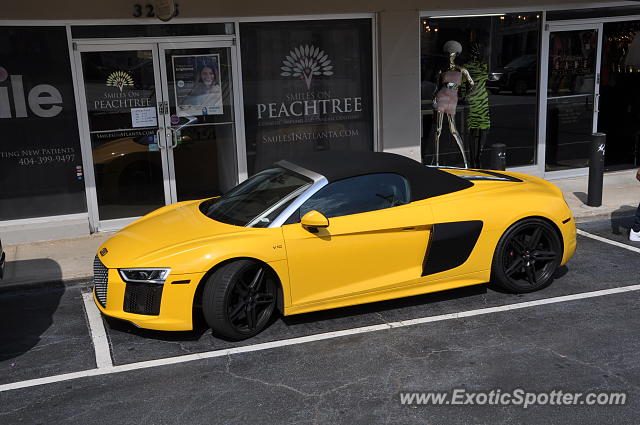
[(197, 85)]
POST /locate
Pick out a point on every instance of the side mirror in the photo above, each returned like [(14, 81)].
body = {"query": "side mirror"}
[(313, 220)]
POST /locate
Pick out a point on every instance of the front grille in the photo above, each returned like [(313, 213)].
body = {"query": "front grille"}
[(143, 298), (100, 281)]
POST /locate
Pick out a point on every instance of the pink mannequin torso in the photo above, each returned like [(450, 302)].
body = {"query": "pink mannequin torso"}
[(446, 98)]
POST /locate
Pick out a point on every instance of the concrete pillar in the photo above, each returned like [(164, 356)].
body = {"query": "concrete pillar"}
[(399, 61)]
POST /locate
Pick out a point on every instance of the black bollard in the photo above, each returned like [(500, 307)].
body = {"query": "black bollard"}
[(596, 169), (498, 156)]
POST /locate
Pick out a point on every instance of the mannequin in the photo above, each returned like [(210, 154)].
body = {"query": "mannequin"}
[(446, 98), (479, 121)]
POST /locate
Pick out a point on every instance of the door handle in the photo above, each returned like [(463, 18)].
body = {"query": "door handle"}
[(159, 137), (174, 138)]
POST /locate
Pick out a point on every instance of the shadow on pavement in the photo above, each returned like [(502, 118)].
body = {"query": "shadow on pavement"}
[(382, 306), (26, 314), (581, 196), (560, 272), (314, 317), (126, 327), (622, 218)]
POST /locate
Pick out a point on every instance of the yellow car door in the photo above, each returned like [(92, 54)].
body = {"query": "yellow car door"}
[(357, 253)]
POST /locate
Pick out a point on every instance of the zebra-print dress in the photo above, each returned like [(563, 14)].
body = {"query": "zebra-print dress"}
[(479, 98)]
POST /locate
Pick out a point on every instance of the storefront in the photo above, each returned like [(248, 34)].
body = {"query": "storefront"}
[(547, 81), (104, 120), (147, 115)]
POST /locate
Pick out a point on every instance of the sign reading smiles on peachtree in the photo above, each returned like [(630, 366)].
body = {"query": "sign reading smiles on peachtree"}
[(307, 87), (122, 99)]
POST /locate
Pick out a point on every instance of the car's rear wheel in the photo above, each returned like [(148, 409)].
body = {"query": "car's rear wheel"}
[(527, 256), (239, 299)]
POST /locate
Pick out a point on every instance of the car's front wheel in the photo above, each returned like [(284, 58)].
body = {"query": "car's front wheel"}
[(239, 299), (527, 256)]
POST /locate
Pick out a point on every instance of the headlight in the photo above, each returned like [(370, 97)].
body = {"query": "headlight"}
[(150, 275), (495, 76)]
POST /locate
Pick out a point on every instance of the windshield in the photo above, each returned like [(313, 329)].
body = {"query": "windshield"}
[(257, 201)]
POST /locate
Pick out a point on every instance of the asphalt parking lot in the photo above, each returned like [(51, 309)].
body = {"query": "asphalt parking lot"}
[(341, 366)]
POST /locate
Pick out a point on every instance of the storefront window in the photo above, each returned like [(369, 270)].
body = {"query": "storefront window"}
[(308, 86), (570, 98), (40, 161), (501, 56), (619, 106)]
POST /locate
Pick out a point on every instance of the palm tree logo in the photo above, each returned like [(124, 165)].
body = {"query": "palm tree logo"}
[(119, 79), (305, 62)]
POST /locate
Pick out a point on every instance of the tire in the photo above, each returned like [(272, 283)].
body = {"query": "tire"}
[(527, 256), (239, 299)]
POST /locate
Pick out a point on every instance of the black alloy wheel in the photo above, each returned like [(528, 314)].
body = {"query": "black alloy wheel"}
[(239, 299), (527, 256)]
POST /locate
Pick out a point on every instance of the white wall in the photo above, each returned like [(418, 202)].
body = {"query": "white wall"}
[(399, 64)]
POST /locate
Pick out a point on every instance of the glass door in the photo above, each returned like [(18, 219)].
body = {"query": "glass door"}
[(120, 87), (198, 88), (572, 95), (160, 119)]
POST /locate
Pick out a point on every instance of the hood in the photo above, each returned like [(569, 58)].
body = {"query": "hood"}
[(165, 233)]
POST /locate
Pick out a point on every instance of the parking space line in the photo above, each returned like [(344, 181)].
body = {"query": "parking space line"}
[(106, 370), (609, 241), (98, 333)]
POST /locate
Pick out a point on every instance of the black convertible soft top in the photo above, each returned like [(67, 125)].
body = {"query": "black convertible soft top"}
[(425, 182)]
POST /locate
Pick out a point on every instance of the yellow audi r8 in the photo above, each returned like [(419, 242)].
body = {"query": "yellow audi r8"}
[(331, 230)]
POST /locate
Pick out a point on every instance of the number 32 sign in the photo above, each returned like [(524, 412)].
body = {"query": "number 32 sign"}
[(148, 10)]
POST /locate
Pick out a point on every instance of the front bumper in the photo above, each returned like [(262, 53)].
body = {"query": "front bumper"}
[(176, 302), (569, 236)]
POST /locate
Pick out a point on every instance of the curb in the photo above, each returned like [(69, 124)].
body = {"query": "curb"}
[(7, 287), (620, 214)]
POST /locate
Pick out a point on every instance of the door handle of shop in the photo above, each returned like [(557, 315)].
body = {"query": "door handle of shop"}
[(174, 138), (159, 137)]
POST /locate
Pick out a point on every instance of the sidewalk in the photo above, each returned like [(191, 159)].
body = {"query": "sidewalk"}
[(66, 260), (620, 196), (71, 260)]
